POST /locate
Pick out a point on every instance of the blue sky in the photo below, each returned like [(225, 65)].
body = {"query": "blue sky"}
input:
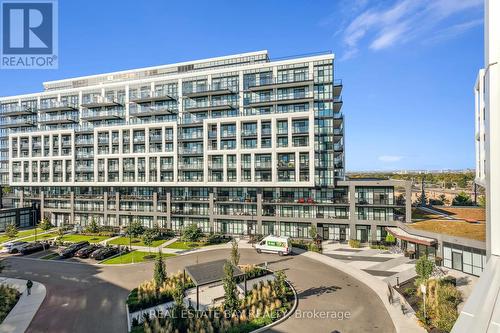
[(408, 66)]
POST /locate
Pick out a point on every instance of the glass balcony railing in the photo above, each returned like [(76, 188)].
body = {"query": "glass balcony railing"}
[(50, 106), (58, 118)]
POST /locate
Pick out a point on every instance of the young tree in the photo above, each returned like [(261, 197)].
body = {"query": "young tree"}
[(45, 224), (11, 231), (424, 268), (160, 274), (192, 233), (313, 231), (155, 231), (93, 227), (390, 239), (280, 285), (147, 239), (177, 318), (135, 229), (231, 302), (235, 253)]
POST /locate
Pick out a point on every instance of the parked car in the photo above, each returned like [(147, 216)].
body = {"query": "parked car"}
[(71, 250), (34, 247), (106, 253), (86, 251), (275, 244), (14, 247), (97, 252)]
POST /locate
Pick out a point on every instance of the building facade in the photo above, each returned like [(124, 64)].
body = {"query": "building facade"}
[(239, 144)]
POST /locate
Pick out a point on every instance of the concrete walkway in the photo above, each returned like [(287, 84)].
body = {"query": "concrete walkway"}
[(403, 323), (19, 318)]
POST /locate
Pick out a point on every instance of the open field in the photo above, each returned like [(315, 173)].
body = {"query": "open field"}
[(135, 242), (463, 229), (80, 238), (134, 257), (20, 234)]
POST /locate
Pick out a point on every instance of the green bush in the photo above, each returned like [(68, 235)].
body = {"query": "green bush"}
[(216, 238), (313, 247), (8, 299), (390, 239), (354, 243), (191, 233)]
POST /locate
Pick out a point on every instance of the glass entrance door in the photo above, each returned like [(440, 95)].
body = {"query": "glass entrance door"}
[(457, 262)]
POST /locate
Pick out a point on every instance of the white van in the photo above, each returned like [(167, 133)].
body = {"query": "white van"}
[(275, 244)]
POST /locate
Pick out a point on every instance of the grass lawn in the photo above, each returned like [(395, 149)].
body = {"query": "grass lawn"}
[(134, 257), (464, 229), (417, 213), (180, 245), (41, 237), (473, 213), (135, 241), (80, 238), (21, 233)]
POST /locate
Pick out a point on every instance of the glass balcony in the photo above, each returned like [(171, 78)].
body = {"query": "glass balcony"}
[(16, 110), (99, 101), (56, 106), (18, 122), (151, 96), (284, 81), (146, 111), (205, 90), (48, 118), (91, 115)]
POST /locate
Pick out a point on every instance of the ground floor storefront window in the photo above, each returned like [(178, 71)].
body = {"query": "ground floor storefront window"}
[(462, 258), (363, 233), (336, 232), (295, 230), (268, 228)]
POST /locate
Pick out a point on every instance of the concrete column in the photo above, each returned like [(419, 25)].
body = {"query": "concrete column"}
[(72, 207), (373, 232), (169, 212), (352, 210), (408, 201), (117, 208), (259, 212), (211, 210), (105, 215), (21, 199), (155, 207), (42, 204)]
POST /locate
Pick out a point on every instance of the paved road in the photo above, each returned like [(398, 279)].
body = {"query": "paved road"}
[(87, 298)]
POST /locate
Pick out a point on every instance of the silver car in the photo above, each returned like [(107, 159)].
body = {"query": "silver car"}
[(14, 247)]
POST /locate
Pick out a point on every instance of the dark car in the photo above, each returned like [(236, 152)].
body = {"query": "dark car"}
[(97, 252), (86, 251), (106, 253), (71, 250), (34, 247)]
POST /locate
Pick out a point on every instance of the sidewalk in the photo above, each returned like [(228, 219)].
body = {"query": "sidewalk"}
[(403, 323), (19, 318)]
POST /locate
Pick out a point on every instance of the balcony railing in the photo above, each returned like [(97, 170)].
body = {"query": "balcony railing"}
[(152, 96), (16, 110), (18, 122), (54, 106), (281, 81), (92, 115), (48, 118), (99, 102), (157, 110)]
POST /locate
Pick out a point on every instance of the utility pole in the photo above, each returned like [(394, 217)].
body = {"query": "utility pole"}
[(422, 195)]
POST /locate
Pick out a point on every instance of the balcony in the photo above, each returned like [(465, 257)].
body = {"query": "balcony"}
[(191, 166), (102, 115), (166, 167), (100, 102), (56, 106), (263, 165), (152, 96), (300, 130), (286, 165), (17, 123), (84, 142), (192, 136), (257, 101), (191, 151), (49, 119), (16, 110), (213, 90), (146, 111), (215, 166), (337, 87), (282, 82), (214, 106), (247, 133)]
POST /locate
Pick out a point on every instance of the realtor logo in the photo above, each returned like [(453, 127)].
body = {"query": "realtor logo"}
[(29, 34)]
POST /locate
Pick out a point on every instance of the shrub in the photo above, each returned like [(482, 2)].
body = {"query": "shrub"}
[(215, 238), (313, 247), (191, 233), (11, 231), (424, 268), (390, 239), (45, 225), (135, 229), (92, 227), (235, 254), (8, 299), (159, 274), (354, 243)]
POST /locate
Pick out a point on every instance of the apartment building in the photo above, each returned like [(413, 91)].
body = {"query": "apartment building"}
[(240, 144)]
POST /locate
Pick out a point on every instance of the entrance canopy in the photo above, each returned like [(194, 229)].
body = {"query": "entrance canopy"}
[(401, 234), (209, 272)]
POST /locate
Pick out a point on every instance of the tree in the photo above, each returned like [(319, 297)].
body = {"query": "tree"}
[(60, 232), (192, 233), (155, 231), (160, 274), (462, 199), (390, 239), (93, 227), (235, 254), (135, 229), (424, 268), (147, 239), (313, 231), (177, 311), (444, 199), (482, 201), (280, 284), (231, 302), (11, 231), (45, 224)]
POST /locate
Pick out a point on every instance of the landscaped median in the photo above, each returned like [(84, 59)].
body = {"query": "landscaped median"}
[(134, 257)]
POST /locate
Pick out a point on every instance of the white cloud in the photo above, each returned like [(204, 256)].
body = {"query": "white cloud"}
[(390, 158), (405, 20)]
